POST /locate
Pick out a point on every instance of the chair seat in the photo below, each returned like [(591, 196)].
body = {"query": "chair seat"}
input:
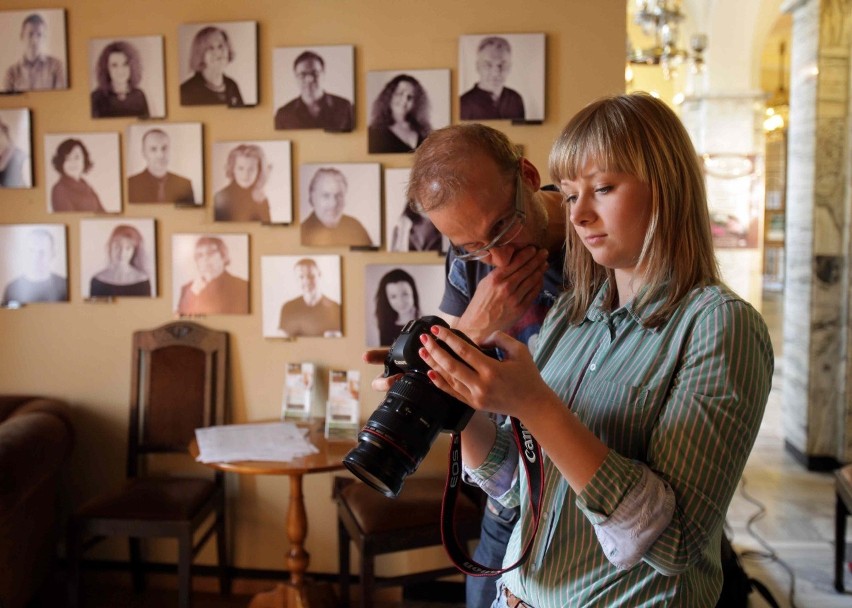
[(419, 504), (152, 498)]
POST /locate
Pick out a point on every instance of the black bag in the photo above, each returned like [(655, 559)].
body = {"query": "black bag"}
[(736, 584)]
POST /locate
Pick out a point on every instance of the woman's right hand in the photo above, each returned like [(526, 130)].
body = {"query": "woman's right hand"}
[(377, 357)]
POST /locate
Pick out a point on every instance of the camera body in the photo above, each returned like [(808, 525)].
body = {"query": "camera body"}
[(402, 429)]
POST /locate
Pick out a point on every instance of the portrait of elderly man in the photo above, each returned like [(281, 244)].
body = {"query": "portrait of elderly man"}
[(315, 107), (213, 290), (36, 69), (490, 98), (327, 224)]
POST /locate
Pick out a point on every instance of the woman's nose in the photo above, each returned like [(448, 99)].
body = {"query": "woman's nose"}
[(581, 211)]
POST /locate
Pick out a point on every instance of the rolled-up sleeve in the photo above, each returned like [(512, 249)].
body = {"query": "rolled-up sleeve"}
[(498, 472)]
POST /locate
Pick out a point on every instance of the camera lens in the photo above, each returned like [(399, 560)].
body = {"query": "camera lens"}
[(398, 435)]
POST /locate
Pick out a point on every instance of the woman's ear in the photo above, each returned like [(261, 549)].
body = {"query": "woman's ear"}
[(530, 174)]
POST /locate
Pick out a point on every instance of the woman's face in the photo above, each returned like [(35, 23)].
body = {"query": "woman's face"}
[(216, 55), (245, 171), (400, 296), (402, 100), (119, 69), (74, 163), (121, 250)]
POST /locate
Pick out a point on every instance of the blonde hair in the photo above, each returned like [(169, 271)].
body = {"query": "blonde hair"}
[(640, 135)]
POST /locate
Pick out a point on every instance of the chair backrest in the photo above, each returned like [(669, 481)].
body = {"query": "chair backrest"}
[(179, 374)]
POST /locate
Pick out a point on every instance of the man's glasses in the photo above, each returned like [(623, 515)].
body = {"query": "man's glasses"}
[(507, 229)]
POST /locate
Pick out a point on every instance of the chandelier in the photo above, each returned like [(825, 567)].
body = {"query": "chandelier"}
[(660, 21)]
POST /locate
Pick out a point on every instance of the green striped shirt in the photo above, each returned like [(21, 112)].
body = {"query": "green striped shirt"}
[(686, 399)]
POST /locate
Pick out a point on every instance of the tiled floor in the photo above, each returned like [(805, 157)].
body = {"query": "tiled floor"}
[(797, 522)]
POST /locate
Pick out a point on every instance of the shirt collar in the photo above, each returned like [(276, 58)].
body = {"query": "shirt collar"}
[(596, 312)]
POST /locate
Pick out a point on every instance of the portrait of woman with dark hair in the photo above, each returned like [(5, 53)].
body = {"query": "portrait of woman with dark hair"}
[(12, 160), (397, 303), (210, 54), (72, 192), (244, 198), (400, 118), (119, 70), (127, 270)]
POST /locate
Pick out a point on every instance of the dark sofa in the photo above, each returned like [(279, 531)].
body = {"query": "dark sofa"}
[(36, 436)]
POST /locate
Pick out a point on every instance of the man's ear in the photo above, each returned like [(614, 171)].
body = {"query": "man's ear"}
[(530, 174)]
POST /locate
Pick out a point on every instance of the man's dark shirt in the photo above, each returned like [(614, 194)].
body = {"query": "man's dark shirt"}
[(477, 104), (335, 115), (144, 187)]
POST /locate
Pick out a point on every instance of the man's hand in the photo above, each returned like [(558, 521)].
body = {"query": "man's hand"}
[(502, 297), (377, 357)]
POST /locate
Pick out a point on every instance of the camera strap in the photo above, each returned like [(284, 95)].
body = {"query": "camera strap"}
[(530, 454)]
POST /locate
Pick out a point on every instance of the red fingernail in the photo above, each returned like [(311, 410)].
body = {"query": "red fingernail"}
[(424, 338), (423, 353), (434, 329)]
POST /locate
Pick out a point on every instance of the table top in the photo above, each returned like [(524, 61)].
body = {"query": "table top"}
[(328, 458)]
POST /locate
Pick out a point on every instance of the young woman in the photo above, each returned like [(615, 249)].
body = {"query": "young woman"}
[(71, 192), (400, 118), (119, 70), (647, 388), (126, 273), (244, 199), (397, 303)]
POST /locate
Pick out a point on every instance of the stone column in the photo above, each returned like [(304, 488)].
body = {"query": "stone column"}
[(816, 400)]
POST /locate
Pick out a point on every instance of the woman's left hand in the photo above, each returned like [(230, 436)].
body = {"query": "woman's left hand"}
[(512, 386)]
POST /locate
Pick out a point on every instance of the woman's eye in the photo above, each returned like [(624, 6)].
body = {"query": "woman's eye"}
[(569, 199), (603, 189)]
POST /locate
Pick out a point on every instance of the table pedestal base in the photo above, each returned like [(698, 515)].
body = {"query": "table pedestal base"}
[(310, 595)]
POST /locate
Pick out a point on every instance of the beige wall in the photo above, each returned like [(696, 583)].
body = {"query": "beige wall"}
[(80, 351)]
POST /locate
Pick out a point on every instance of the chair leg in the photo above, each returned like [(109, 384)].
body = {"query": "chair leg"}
[(368, 578), (343, 563), (222, 550), (185, 570), (841, 512), (73, 551), (136, 565)]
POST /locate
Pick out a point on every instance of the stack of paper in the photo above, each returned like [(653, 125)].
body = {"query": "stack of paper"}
[(275, 441)]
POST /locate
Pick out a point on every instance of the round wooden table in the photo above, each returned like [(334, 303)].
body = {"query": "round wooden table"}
[(298, 593)]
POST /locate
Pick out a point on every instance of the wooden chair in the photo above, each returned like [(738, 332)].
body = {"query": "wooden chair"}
[(378, 524), (843, 489), (178, 384)]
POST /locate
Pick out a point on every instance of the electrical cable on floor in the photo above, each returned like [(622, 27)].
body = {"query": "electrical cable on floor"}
[(769, 554)]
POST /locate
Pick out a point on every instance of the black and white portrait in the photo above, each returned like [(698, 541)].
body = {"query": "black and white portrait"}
[(33, 50), (406, 229), (165, 163), (339, 204), (301, 296), (501, 76), (118, 257), (405, 106), (210, 274), (314, 87), (33, 263), (126, 77), (397, 294), (252, 182), (16, 167), (83, 172), (218, 63)]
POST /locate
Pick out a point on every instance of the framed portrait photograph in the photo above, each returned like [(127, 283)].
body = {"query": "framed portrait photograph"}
[(252, 182), (82, 172), (398, 293), (118, 258), (404, 107), (301, 296), (33, 264), (339, 204), (405, 229), (501, 77), (165, 163), (218, 63), (314, 87), (126, 77), (210, 274), (16, 166), (33, 50)]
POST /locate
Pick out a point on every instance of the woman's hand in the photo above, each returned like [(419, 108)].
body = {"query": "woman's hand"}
[(377, 357), (513, 386)]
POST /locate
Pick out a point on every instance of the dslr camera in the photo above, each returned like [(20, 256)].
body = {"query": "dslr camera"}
[(402, 429)]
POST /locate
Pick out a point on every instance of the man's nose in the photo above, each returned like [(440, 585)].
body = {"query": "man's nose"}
[(502, 255)]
